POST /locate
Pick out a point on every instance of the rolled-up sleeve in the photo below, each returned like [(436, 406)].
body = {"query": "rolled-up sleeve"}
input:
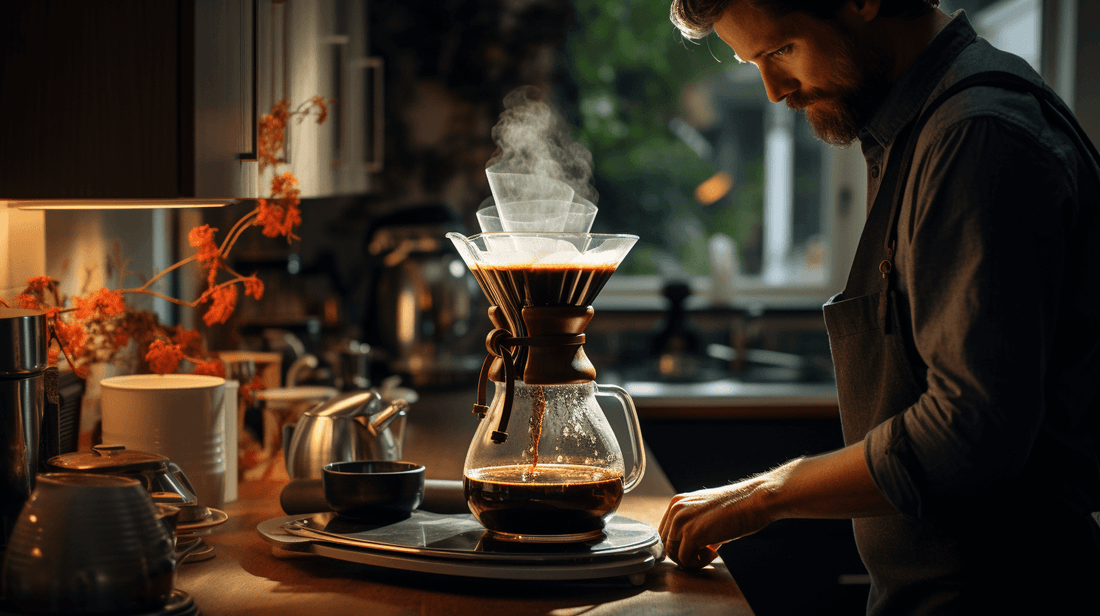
[(980, 263)]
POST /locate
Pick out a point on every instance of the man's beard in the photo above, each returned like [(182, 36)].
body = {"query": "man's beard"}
[(861, 80)]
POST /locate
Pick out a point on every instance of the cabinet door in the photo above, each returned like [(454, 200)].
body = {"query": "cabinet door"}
[(89, 100), (226, 69), (128, 99), (328, 47)]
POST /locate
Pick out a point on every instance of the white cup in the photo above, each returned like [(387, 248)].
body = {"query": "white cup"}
[(179, 416), (229, 421)]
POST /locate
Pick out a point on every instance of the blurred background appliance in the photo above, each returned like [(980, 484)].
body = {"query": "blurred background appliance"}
[(23, 337), (423, 302)]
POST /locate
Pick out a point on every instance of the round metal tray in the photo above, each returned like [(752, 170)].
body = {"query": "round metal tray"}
[(458, 545)]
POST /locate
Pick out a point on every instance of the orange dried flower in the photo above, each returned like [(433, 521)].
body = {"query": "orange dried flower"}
[(103, 304), (213, 367), (34, 297), (280, 214), (272, 134), (163, 358), (247, 390), (190, 341), (322, 107), (71, 335), (203, 239), (222, 302), (39, 283), (27, 301), (186, 337), (100, 324), (254, 286)]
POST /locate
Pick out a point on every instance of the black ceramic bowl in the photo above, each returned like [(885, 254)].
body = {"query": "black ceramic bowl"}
[(373, 489)]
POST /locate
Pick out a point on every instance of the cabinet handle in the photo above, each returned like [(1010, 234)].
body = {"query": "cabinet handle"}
[(374, 118), (339, 49), (253, 121), (281, 60)]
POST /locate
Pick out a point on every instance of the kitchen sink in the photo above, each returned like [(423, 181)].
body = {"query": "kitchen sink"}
[(717, 379), (721, 364)]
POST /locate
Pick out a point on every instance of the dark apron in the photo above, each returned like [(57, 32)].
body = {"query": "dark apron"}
[(973, 559)]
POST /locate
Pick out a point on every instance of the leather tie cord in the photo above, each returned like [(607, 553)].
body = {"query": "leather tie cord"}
[(499, 343)]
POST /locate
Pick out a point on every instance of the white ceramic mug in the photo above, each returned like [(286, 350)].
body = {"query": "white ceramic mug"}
[(179, 416)]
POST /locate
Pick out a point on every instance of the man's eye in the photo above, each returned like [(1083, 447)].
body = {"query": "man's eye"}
[(782, 51)]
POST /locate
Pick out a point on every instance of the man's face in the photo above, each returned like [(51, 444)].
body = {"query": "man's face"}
[(816, 66)]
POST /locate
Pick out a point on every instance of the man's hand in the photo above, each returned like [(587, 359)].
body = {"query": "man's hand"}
[(832, 485), (696, 523)]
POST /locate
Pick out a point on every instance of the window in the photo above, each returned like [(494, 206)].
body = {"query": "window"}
[(724, 188)]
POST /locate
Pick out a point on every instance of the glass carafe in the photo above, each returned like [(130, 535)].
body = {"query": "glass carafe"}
[(560, 474), (545, 464)]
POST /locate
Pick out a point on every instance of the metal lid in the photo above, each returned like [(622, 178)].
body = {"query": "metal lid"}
[(352, 404), (114, 458), (23, 337)]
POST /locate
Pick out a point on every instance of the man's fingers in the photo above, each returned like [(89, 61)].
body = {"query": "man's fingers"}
[(667, 518), (689, 557), (667, 521)]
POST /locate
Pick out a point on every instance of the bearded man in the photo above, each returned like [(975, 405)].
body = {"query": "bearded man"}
[(966, 341)]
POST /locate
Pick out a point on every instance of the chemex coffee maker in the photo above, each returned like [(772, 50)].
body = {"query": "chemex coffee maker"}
[(544, 465)]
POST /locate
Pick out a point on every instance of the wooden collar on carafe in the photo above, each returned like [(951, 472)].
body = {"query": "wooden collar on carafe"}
[(550, 354)]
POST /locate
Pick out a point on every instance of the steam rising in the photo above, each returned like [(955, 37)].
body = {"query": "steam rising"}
[(532, 138)]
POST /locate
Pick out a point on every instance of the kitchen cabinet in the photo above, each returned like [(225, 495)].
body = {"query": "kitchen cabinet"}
[(320, 47), (129, 99)]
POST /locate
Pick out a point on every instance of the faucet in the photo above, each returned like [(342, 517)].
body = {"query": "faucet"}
[(676, 344), (301, 366)]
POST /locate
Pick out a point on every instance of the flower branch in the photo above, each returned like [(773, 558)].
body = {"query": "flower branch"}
[(97, 326)]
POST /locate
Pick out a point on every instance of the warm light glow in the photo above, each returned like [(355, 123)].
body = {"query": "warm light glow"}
[(714, 188), (113, 204)]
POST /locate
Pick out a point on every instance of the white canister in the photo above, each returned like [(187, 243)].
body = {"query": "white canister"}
[(232, 453), (179, 416)]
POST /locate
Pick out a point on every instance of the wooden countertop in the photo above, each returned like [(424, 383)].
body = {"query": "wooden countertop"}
[(246, 577)]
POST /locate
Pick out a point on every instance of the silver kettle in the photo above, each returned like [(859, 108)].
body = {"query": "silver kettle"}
[(351, 426)]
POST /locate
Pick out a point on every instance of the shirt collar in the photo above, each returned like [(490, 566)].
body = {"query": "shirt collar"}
[(912, 89)]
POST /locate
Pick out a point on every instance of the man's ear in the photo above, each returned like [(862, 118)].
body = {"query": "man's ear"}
[(862, 10)]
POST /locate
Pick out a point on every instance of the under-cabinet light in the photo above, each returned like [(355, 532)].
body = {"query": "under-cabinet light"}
[(113, 204)]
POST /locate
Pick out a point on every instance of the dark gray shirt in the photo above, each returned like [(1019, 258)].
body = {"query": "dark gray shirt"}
[(998, 267)]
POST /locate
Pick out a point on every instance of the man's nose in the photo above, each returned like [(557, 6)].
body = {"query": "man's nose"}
[(778, 84)]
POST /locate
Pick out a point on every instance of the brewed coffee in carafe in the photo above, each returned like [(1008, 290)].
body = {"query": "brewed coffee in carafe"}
[(544, 464)]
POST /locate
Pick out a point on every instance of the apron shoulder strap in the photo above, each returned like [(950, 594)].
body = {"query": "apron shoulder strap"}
[(1000, 79)]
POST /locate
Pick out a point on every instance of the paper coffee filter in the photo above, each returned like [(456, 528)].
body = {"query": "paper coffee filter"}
[(512, 249), (508, 249), (581, 215), (534, 203), (489, 220), (539, 217), (518, 187)]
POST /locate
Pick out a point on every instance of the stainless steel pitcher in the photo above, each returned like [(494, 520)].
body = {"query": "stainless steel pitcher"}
[(23, 364), (352, 426)]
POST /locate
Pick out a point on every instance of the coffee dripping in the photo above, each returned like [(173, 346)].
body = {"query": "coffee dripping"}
[(544, 464)]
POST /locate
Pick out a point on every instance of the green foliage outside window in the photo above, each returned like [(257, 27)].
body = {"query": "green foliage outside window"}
[(631, 66)]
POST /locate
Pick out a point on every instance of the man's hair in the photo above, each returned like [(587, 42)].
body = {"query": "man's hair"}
[(695, 18)]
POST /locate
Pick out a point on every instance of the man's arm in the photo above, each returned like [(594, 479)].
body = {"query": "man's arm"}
[(832, 485), (980, 265)]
